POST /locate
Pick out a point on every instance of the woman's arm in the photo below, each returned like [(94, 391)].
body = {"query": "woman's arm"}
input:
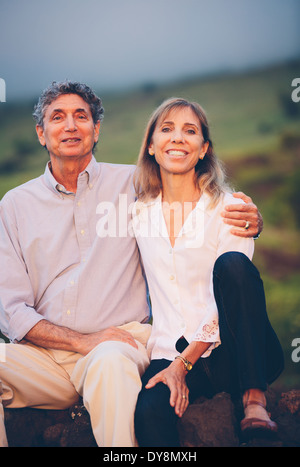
[(174, 376)]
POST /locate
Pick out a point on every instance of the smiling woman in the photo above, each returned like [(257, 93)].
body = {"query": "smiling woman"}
[(210, 327), (178, 144), (190, 135)]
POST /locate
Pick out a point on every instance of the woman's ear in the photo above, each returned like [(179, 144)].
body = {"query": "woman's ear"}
[(203, 150), (151, 150)]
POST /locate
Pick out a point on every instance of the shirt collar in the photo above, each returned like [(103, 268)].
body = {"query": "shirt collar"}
[(154, 206), (92, 170)]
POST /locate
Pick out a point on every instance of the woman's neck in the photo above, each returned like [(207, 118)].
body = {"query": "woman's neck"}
[(179, 197), (179, 188)]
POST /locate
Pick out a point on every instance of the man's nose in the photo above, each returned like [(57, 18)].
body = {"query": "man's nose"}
[(70, 123)]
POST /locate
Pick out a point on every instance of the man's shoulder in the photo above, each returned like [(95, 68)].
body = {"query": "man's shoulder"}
[(116, 176), (121, 169), (21, 191)]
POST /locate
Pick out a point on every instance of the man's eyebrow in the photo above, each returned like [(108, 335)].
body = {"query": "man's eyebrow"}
[(56, 110), (63, 111), (81, 110)]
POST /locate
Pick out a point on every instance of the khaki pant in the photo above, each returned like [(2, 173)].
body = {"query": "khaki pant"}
[(108, 379)]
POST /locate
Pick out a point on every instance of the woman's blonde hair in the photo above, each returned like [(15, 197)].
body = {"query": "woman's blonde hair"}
[(209, 171)]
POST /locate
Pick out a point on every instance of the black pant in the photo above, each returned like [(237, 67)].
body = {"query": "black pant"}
[(250, 355)]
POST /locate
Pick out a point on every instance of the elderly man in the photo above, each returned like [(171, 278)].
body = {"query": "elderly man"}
[(73, 298)]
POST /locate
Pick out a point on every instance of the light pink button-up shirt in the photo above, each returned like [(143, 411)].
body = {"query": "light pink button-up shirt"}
[(180, 278), (58, 265)]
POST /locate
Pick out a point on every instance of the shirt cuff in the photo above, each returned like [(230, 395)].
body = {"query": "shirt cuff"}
[(21, 323)]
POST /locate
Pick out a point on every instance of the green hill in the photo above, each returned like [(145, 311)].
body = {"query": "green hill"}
[(256, 131)]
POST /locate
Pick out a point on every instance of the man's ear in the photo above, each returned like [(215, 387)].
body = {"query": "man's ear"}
[(40, 133), (97, 130)]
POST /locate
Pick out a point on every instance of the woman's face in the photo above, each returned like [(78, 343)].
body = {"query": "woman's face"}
[(177, 142)]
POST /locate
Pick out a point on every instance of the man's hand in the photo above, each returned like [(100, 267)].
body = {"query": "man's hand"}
[(241, 215), (173, 377), (87, 342)]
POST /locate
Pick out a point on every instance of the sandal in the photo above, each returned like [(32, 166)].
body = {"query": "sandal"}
[(257, 426)]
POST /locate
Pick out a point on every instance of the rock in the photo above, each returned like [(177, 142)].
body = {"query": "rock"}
[(25, 427), (290, 401), (53, 434), (208, 422), (289, 429)]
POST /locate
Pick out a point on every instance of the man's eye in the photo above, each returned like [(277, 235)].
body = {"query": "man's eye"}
[(56, 117)]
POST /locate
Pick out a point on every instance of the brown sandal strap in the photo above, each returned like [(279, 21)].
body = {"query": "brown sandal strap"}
[(256, 423), (254, 403)]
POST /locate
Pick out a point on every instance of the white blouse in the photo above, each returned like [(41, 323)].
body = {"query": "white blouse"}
[(180, 278)]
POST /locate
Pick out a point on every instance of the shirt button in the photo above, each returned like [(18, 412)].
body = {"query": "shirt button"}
[(170, 251), (68, 312), (172, 277), (79, 203), (82, 232), (72, 282)]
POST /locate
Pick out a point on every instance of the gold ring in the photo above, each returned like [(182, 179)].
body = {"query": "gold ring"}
[(183, 397), (247, 225)]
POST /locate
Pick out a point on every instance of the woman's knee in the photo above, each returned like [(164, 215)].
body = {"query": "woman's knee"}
[(152, 403), (234, 266)]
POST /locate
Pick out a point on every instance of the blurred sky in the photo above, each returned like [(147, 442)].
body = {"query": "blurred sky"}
[(112, 44)]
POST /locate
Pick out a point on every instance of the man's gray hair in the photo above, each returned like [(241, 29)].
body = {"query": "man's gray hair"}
[(57, 89)]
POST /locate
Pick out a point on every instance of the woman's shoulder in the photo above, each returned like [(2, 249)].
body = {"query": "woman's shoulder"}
[(228, 198)]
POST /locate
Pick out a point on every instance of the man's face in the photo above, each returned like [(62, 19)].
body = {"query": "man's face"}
[(68, 130)]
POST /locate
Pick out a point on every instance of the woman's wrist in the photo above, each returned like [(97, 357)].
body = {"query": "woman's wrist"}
[(176, 363), (186, 363)]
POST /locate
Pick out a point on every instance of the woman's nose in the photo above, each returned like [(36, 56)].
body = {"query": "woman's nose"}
[(177, 136)]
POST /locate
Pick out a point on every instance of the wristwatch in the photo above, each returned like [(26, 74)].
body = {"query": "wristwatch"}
[(187, 365)]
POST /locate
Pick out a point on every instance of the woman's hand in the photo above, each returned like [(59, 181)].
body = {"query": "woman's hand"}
[(174, 377)]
